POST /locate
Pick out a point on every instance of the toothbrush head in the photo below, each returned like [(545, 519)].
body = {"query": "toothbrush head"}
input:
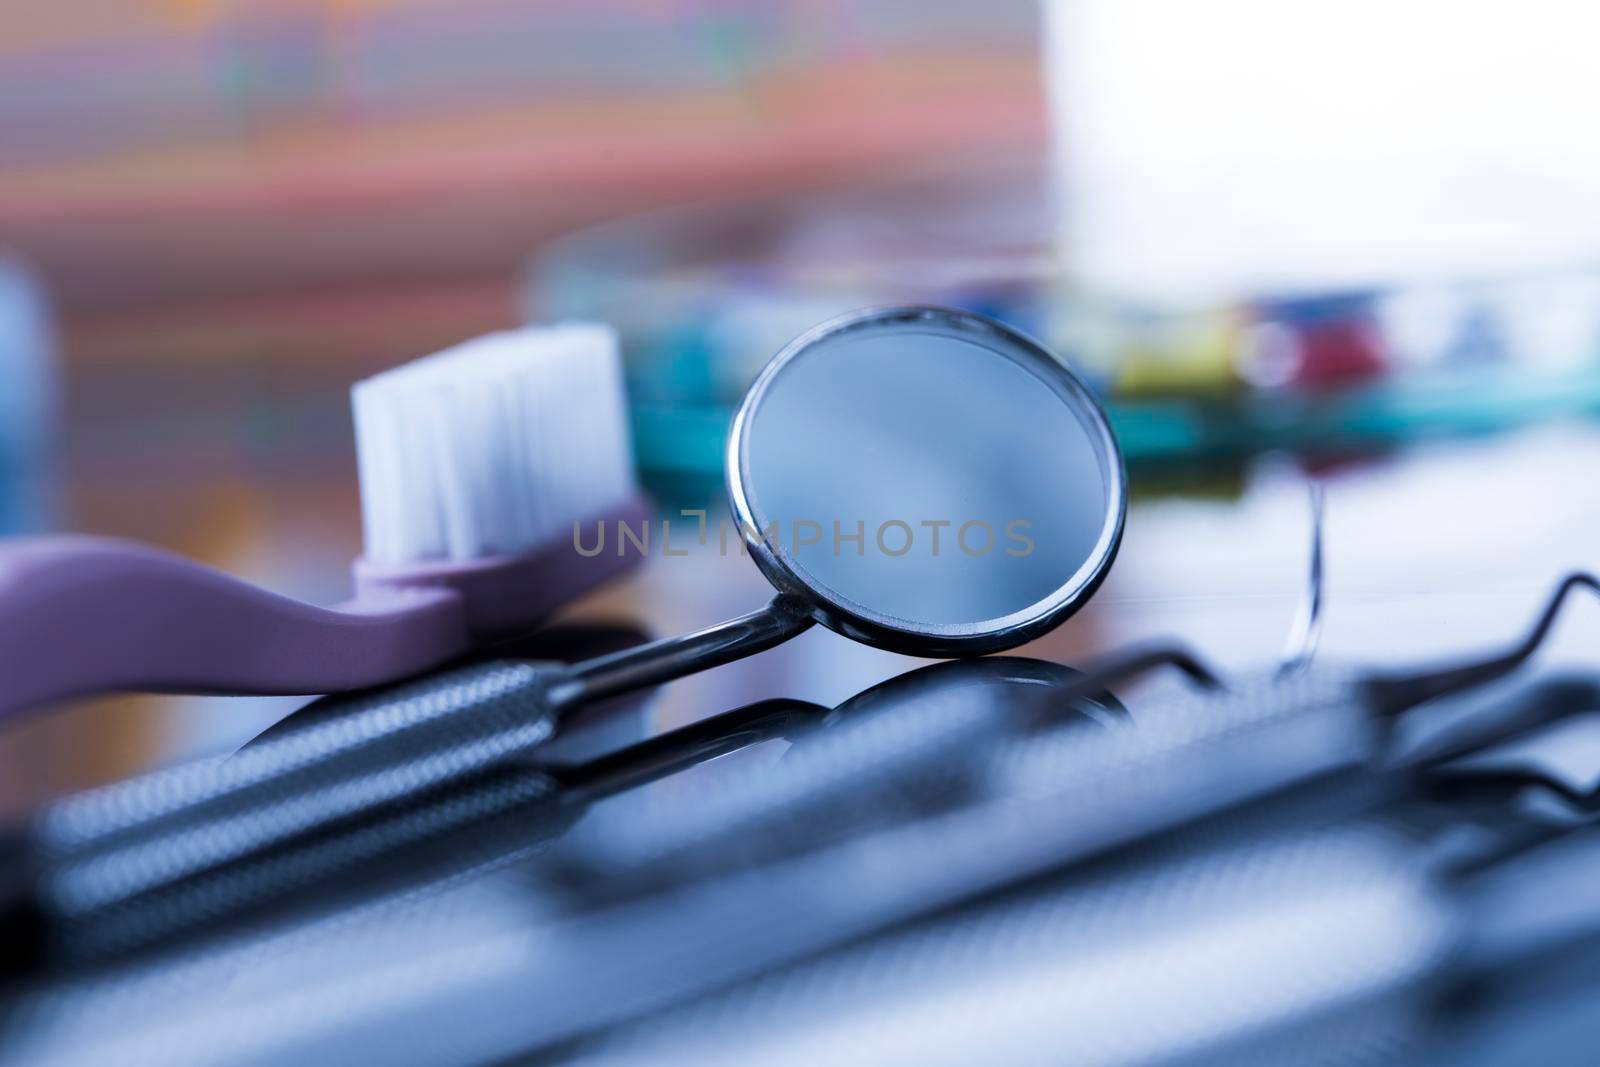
[(493, 447)]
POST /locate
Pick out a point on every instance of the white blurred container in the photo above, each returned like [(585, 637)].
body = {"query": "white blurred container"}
[(1208, 149)]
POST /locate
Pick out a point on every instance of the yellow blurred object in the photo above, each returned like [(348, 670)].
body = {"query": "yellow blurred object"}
[(1185, 354)]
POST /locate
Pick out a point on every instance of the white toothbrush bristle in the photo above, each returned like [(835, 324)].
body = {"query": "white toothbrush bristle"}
[(493, 446)]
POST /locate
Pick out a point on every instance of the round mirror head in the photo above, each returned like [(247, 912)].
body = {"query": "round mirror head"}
[(930, 480)]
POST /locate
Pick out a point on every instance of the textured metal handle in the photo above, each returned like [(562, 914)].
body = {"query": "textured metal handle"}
[(110, 844)]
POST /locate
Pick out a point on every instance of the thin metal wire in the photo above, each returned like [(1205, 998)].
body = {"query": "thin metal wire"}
[(1306, 631), (1395, 694), (1499, 783)]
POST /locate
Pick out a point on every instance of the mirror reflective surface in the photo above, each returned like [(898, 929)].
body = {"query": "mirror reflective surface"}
[(927, 472), (1014, 690)]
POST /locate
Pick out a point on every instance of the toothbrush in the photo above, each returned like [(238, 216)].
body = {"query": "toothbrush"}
[(475, 465)]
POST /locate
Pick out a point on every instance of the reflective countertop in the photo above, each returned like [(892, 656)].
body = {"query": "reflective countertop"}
[(1444, 548)]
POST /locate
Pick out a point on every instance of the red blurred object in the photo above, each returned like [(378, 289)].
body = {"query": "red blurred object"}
[(1335, 354), (1321, 343)]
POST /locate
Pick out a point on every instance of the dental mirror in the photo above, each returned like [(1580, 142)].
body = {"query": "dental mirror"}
[(921, 479), (930, 481)]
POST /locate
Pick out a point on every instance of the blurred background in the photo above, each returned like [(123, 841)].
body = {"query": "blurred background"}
[(1350, 244)]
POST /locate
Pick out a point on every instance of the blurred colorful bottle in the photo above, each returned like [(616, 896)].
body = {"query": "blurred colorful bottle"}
[(27, 403)]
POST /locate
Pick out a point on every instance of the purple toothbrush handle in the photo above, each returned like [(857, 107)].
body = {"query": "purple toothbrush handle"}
[(84, 615)]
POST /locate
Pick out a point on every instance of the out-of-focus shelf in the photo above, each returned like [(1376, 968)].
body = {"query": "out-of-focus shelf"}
[(424, 196)]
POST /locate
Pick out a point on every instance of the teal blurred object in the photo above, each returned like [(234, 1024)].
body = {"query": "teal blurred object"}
[(702, 297), (680, 448), (27, 403)]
